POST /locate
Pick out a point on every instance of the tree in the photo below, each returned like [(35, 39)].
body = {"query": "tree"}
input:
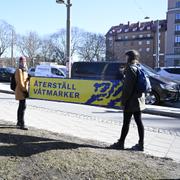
[(59, 41), (92, 47), (6, 31), (29, 46), (48, 50)]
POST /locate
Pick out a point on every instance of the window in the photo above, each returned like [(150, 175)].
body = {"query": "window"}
[(177, 50), (126, 30), (177, 39), (126, 37), (173, 70), (56, 72), (148, 35), (177, 4), (148, 28), (133, 36), (177, 27), (140, 42), (140, 49), (177, 62), (177, 16), (119, 37), (147, 42), (147, 49), (140, 35)]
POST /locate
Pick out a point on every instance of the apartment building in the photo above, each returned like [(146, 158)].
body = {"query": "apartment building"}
[(141, 36), (172, 57)]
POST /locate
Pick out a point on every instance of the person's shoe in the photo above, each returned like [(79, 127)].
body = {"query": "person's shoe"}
[(118, 145), (23, 128), (138, 147)]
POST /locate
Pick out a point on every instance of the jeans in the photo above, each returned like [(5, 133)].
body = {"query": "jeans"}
[(21, 111), (126, 123)]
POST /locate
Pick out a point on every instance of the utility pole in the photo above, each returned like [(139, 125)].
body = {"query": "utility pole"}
[(12, 47), (157, 43)]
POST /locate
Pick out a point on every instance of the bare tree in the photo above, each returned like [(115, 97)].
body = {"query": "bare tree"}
[(92, 47), (59, 41), (6, 31), (48, 50), (29, 46)]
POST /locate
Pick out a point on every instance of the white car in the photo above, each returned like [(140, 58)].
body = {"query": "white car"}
[(51, 70), (172, 73)]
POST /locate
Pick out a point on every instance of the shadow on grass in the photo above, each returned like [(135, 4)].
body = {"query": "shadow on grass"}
[(25, 145)]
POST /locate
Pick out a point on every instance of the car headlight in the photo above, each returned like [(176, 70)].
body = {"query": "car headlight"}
[(169, 87)]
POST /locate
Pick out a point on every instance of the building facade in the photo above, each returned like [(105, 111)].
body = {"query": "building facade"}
[(141, 36), (172, 57)]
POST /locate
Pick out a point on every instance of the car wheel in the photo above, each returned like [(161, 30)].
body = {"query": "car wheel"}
[(152, 98)]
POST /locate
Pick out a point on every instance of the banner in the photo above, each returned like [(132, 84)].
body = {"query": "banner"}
[(90, 92)]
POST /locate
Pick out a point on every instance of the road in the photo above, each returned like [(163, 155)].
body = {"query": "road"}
[(152, 122)]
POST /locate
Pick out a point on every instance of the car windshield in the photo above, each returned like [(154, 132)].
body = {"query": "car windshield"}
[(148, 70), (11, 69), (63, 69), (173, 70)]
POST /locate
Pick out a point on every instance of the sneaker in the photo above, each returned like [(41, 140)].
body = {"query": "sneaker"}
[(138, 147), (117, 145), (23, 128)]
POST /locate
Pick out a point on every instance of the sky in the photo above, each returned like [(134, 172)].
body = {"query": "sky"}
[(97, 16)]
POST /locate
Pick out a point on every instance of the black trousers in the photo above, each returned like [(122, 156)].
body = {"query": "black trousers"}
[(126, 123), (21, 112)]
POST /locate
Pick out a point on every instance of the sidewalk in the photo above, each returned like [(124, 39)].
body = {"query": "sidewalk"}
[(156, 143)]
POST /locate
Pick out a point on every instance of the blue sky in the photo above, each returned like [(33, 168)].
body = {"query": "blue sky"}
[(46, 16)]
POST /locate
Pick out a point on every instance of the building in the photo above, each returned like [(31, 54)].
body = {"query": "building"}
[(141, 36), (172, 57)]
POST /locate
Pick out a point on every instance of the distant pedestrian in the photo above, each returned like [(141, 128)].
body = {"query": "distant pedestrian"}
[(21, 91), (133, 102)]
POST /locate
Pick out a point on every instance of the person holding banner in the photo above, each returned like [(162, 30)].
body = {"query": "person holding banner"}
[(133, 103), (21, 91)]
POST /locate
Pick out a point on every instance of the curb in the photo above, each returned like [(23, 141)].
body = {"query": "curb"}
[(6, 91), (162, 113)]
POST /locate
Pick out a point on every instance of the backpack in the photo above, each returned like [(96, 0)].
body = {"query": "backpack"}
[(13, 82), (143, 82)]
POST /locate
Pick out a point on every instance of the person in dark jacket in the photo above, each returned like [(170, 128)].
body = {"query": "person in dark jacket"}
[(22, 80), (132, 102)]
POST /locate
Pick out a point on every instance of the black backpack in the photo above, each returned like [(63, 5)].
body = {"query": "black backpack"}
[(13, 82)]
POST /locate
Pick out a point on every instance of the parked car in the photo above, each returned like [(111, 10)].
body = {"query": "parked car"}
[(163, 89), (6, 73), (97, 70), (51, 70), (169, 72), (31, 71)]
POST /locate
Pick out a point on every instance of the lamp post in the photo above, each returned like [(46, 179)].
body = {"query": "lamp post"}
[(157, 54), (157, 43), (68, 33)]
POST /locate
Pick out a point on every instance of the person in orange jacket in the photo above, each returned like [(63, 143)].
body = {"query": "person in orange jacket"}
[(21, 91)]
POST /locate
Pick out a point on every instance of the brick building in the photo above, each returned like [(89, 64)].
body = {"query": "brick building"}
[(141, 36)]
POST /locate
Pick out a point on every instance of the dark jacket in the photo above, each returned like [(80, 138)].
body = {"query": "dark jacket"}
[(131, 100)]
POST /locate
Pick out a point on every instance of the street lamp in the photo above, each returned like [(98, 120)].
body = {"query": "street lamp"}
[(68, 34), (157, 54)]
